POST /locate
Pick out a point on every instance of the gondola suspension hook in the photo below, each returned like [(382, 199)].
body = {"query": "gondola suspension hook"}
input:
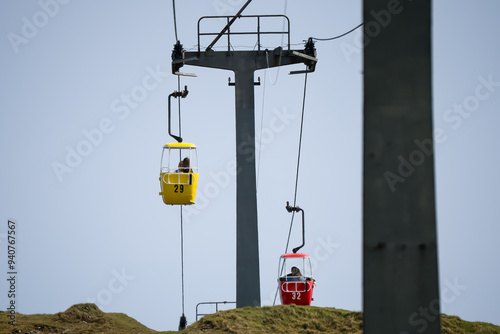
[(175, 94), (297, 209)]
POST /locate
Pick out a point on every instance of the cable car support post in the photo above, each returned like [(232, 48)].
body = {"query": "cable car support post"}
[(400, 254), (244, 64)]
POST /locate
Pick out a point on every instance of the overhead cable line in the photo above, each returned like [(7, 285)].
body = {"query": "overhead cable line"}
[(178, 76), (332, 38), (175, 21), (264, 89), (296, 175), (281, 51), (298, 160), (183, 320), (261, 126)]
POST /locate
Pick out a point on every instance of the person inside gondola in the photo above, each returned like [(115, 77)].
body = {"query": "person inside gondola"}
[(185, 163), (180, 167), (295, 275)]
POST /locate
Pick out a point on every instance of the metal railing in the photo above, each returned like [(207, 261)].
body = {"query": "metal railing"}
[(258, 32), (210, 303), (285, 286), (188, 178)]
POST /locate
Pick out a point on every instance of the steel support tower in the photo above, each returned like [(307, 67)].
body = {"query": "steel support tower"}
[(244, 64), (400, 262)]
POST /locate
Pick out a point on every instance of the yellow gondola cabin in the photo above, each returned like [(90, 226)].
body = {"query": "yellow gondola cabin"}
[(179, 173)]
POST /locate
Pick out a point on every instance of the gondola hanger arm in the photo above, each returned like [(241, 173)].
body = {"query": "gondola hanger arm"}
[(175, 94), (297, 209)]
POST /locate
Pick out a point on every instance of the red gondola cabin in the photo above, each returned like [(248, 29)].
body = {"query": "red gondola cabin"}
[(297, 286)]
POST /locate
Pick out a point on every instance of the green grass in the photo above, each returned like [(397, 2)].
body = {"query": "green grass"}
[(88, 319), (280, 319), (455, 325), (80, 318)]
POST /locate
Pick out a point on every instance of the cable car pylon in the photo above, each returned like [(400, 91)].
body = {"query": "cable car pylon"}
[(244, 64)]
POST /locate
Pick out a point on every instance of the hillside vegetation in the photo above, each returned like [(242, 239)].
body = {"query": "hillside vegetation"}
[(89, 319)]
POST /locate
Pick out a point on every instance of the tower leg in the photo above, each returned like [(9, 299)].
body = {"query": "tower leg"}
[(247, 241), (400, 268)]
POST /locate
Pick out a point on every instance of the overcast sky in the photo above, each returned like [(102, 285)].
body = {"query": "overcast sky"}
[(83, 118)]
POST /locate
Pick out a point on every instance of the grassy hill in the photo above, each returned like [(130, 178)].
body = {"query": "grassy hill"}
[(89, 319), (80, 318)]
